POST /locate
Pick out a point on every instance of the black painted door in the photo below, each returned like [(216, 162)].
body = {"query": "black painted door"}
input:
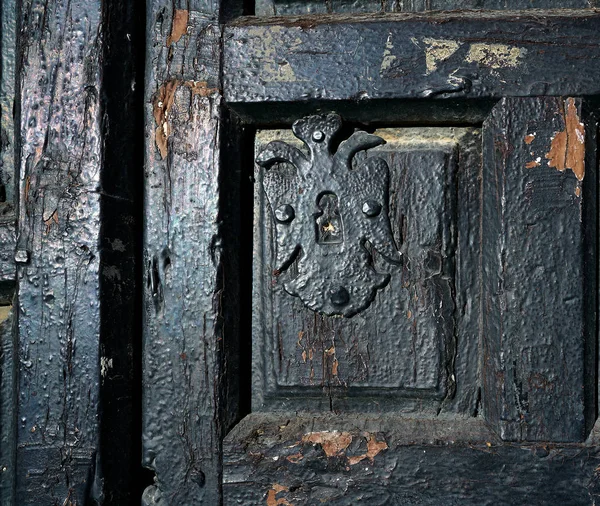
[(405, 315), (299, 252)]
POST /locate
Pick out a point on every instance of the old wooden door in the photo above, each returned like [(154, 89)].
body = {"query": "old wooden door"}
[(443, 352), (299, 252)]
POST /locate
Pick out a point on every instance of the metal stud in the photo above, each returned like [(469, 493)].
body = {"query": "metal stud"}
[(340, 296), (285, 213), (371, 208)]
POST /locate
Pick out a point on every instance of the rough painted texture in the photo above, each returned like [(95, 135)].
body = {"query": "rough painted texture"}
[(401, 353), (58, 279), (8, 399), (182, 379), (369, 56), (325, 210), (298, 7), (8, 44), (539, 236), (342, 460)]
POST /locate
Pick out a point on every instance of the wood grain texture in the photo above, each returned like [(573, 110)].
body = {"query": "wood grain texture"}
[(182, 423), (8, 47), (8, 400), (345, 460), (60, 154), (539, 299), (8, 58), (303, 7), (438, 55)]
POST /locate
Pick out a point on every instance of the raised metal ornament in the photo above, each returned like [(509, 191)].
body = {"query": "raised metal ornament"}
[(325, 212)]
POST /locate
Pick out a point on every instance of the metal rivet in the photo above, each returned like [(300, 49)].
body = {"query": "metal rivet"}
[(318, 136), (285, 213), (340, 296), (22, 256), (371, 208)]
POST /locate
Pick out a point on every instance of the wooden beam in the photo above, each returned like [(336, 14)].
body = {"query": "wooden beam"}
[(60, 157), (410, 56), (327, 458), (183, 328), (538, 270)]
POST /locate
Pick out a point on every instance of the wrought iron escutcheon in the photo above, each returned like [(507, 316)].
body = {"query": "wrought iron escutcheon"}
[(334, 211)]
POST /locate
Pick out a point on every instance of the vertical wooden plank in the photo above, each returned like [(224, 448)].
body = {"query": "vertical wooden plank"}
[(539, 278), (58, 283), (182, 248), (8, 44), (8, 399), (8, 387)]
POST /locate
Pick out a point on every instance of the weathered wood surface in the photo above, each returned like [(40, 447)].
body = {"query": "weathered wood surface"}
[(401, 352), (379, 460), (183, 273), (8, 400), (60, 154), (438, 55), (8, 45), (539, 239), (304, 7)]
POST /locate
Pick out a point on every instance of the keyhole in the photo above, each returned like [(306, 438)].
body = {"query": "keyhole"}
[(329, 226)]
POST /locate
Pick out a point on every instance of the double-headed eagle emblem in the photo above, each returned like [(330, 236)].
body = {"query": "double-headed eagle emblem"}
[(330, 216)]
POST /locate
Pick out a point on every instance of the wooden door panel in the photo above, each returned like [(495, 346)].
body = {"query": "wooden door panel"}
[(471, 377), (399, 353), (321, 426), (539, 239)]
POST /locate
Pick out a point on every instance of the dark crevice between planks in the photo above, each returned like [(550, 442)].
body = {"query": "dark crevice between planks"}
[(232, 9), (122, 182), (386, 113), (592, 246), (236, 218)]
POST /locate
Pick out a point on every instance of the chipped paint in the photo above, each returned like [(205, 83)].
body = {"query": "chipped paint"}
[(334, 442), (179, 26), (276, 68), (282, 72), (163, 102), (5, 313), (496, 56), (388, 57), (295, 458), (567, 149), (334, 367), (529, 138), (534, 163), (50, 220), (374, 447), (199, 88), (438, 50), (162, 106), (272, 499)]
